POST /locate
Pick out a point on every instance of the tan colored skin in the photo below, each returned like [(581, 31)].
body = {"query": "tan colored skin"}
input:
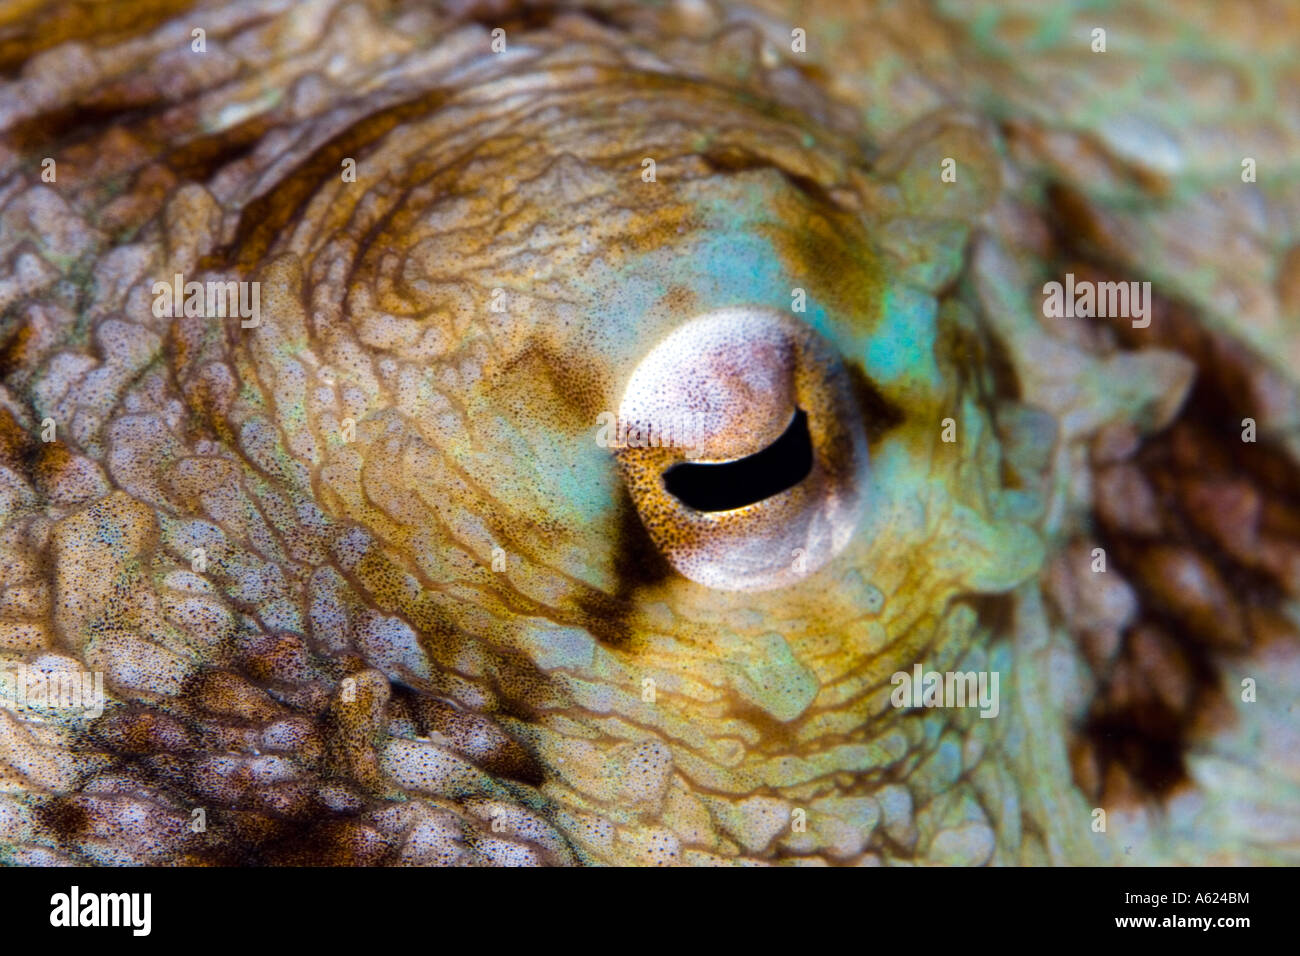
[(349, 679)]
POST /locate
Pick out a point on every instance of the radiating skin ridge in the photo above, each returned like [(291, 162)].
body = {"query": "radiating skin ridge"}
[(350, 680)]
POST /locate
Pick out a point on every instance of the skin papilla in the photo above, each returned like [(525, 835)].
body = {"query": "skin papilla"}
[(362, 584)]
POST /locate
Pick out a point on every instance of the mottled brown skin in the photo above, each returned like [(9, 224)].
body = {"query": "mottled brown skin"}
[(349, 679)]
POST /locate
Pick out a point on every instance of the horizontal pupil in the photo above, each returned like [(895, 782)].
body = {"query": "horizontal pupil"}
[(722, 486)]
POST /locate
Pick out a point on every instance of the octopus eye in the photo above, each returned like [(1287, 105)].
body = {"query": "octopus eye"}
[(743, 450)]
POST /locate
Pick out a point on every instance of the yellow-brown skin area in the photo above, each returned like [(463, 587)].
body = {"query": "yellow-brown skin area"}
[(411, 482), (436, 494), (27, 27)]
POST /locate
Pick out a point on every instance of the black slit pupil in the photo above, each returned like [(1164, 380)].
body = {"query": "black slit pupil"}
[(721, 486)]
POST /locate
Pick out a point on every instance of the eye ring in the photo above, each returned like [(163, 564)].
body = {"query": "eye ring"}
[(728, 395)]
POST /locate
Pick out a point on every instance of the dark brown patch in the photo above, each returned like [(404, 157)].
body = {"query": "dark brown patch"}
[(13, 352), (139, 731), (71, 125), (681, 300), (508, 758), (516, 17), (977, 360), (16, 446), (1163, 687), (325, 840), (200, 159), (638, 564), (1132, 745), (564, 391), (879, 415), (731, 158), (49, 460), (518, 683), (263, 219), (65, 817), (825, 248), (995, 612), (87, 21)]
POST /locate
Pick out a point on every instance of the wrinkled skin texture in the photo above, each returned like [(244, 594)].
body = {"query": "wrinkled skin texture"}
[(347, 677)]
